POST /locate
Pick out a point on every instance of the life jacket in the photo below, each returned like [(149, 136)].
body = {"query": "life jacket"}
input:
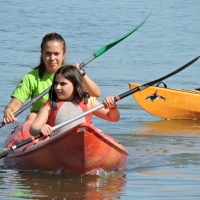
[(67, 110)]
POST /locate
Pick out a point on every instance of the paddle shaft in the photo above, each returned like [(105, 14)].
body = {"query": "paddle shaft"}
[(142, 87), (27, 105), (117, 98), (47, 90), (129, 92), (96, 54)]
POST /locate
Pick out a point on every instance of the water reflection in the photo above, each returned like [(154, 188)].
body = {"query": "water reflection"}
[(165, 183), (34, 185), (190, 128)]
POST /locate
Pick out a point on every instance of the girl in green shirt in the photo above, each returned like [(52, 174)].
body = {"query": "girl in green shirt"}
[(53, 52)]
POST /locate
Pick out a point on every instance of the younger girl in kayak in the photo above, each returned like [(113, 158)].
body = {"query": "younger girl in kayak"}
[(68, 98)]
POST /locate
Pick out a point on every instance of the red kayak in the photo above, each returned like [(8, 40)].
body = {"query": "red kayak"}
[(81, 150)]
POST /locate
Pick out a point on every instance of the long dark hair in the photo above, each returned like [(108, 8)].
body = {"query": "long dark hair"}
[(72, 74), (50, 37)]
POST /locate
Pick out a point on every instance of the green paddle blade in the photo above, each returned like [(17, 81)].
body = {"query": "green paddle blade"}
[(106, 47)]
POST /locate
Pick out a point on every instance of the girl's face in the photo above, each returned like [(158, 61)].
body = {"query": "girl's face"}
[(53, 56), (63, 88)]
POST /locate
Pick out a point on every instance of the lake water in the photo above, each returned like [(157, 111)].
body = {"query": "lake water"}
[(164, 160)]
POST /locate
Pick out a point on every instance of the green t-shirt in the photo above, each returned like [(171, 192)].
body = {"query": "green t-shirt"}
[(31, 86)]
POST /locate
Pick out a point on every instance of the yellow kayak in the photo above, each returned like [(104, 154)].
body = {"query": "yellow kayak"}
[(168, 103)]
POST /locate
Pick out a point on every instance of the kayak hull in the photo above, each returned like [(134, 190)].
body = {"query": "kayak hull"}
[(81, 150), (168, 103)]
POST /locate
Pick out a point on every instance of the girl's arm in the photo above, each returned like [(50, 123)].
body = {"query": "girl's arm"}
[(39, 124), (14, 105), (90, 85), (110, 112)]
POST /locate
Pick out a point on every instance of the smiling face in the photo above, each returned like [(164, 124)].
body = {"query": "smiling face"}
[(64, 88), (53, 55)]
